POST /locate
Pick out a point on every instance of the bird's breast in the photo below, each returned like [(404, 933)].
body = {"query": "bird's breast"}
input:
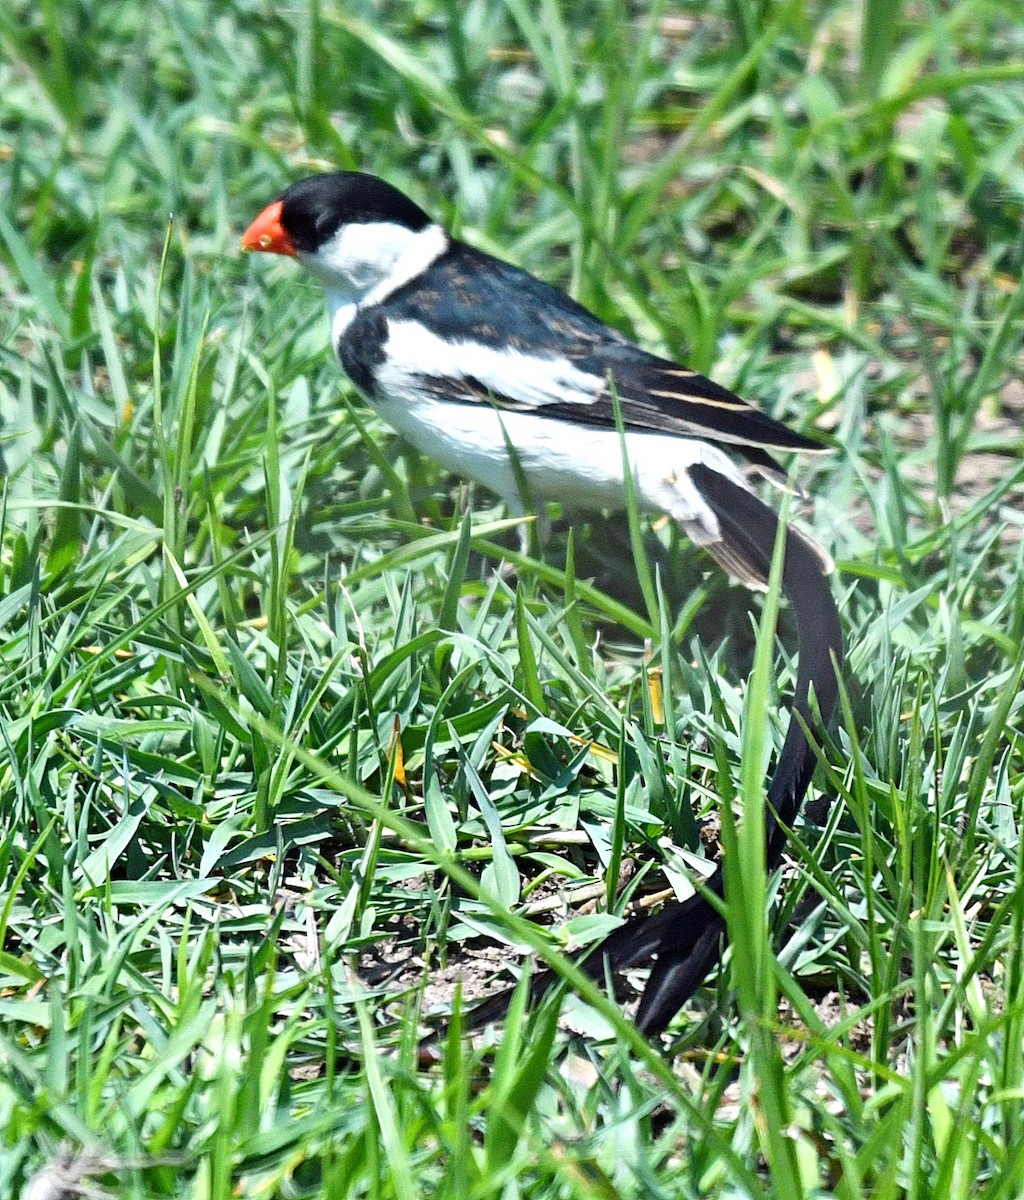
[(359, 341)]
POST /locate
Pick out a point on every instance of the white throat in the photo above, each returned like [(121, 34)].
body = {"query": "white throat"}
[(362, 264)]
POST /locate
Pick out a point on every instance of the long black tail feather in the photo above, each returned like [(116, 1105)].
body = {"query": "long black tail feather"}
[(683, 941)]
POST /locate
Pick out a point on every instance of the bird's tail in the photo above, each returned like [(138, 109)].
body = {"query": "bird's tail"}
[(683, 941)]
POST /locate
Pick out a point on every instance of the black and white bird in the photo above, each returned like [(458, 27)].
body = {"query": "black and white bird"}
[(466, 355)]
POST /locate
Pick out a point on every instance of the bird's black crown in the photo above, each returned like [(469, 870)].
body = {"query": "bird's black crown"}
[(314, 209)]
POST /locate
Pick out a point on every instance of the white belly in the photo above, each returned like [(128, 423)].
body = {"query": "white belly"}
[(577, 466)]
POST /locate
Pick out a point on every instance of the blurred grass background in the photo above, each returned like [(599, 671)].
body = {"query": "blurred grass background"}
[(264, 693)]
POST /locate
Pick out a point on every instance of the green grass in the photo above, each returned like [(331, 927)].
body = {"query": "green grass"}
[(281, 744)]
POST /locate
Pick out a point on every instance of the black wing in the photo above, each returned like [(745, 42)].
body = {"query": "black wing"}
[(472, 299)]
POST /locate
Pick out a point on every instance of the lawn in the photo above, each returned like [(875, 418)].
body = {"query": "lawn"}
[(299, 748)]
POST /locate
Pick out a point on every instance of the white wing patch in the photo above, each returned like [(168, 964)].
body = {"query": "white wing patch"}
[(526, 379)]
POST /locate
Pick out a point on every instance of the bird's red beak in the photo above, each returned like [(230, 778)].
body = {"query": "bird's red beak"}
[(267, 233)]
